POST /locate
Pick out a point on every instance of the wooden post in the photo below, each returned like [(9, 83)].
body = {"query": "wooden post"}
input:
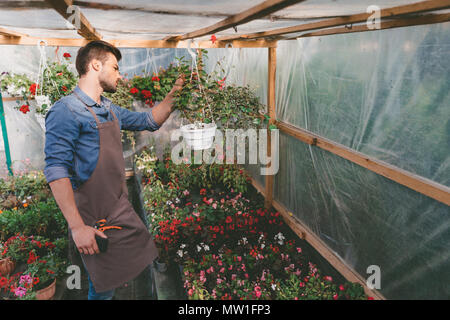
[(272, 66)]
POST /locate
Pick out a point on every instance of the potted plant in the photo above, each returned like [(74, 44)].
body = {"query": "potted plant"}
[(44, 271), (13, 252), (55, 82)]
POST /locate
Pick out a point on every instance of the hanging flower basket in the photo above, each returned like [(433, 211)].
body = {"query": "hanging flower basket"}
[(47, 293), (7, 266), (199, 136)]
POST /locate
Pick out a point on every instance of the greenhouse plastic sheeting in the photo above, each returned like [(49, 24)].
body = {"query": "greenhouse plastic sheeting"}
[(157, 19), (385, 94)]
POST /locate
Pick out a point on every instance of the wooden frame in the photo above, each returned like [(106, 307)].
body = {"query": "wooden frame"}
[(124, 43), (85, 28), (419, 184), (419, 7), (271, 100), (260, 10), (398, 23)]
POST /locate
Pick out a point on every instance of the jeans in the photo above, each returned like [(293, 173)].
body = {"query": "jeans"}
[(93, 295)]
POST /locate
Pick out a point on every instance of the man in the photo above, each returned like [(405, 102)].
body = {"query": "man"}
[(85, 170)]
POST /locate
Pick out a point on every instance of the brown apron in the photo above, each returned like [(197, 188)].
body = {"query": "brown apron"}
[(105, 196)]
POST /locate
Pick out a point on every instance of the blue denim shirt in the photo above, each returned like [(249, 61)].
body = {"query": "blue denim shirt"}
[(72, 138)]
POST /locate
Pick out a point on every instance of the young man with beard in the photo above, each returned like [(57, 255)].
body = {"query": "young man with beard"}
[(86, 172)]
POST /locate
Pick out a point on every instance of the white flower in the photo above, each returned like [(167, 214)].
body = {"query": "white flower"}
[(206, 247), (183, 246), (198, 248), (274, 286), (180, 253), (262, 245)]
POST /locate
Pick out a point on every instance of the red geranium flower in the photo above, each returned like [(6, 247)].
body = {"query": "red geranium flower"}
[(134, 90), (213, 39), (229, 219), (32, 257), (64, 88), (33, 88), (25, 108), (66, 55), (155, 79), (3, 282), (146, 93)]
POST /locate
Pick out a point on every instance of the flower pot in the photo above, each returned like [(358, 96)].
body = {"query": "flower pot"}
[(47, 293), (199, 137), (7, 266), (160, 266)]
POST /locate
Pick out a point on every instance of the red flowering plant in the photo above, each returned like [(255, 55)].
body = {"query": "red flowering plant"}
[(29, 249), (56, 81), (18, 287), (152, 88)]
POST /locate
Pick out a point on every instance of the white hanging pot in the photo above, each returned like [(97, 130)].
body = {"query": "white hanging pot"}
[(40, 101), (199, 136)]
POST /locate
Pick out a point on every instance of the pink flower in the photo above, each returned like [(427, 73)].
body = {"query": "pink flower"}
[(341, 287), (335, 297), (219, 281), (20, 292), (190, 292), (25, 279), (328, 278), (214, 205), (222, 270), (197, 214), (219, 262), (302, 284), (239, 258), (233, 276), (258, 291), (299, 250)]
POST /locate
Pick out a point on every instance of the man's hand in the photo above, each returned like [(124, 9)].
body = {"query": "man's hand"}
[(178, 84), (84, 238)]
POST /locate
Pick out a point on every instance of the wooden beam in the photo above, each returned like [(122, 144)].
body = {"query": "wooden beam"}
[(84, 29), (398, 23), (10, 33), (126, 43), (26, 5), (271, 102), (424, 6), (258, 11), (305, 233), (417, 183)]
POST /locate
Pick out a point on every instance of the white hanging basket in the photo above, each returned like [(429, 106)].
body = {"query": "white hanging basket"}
[(199, 136)]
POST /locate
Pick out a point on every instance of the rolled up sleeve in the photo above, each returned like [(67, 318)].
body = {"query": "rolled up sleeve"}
[(136, 121), (62, 131)]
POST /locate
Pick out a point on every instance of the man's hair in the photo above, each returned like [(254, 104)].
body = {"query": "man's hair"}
[(96, 49)]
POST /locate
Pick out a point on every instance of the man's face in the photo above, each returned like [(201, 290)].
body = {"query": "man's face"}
[(109, 75)]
